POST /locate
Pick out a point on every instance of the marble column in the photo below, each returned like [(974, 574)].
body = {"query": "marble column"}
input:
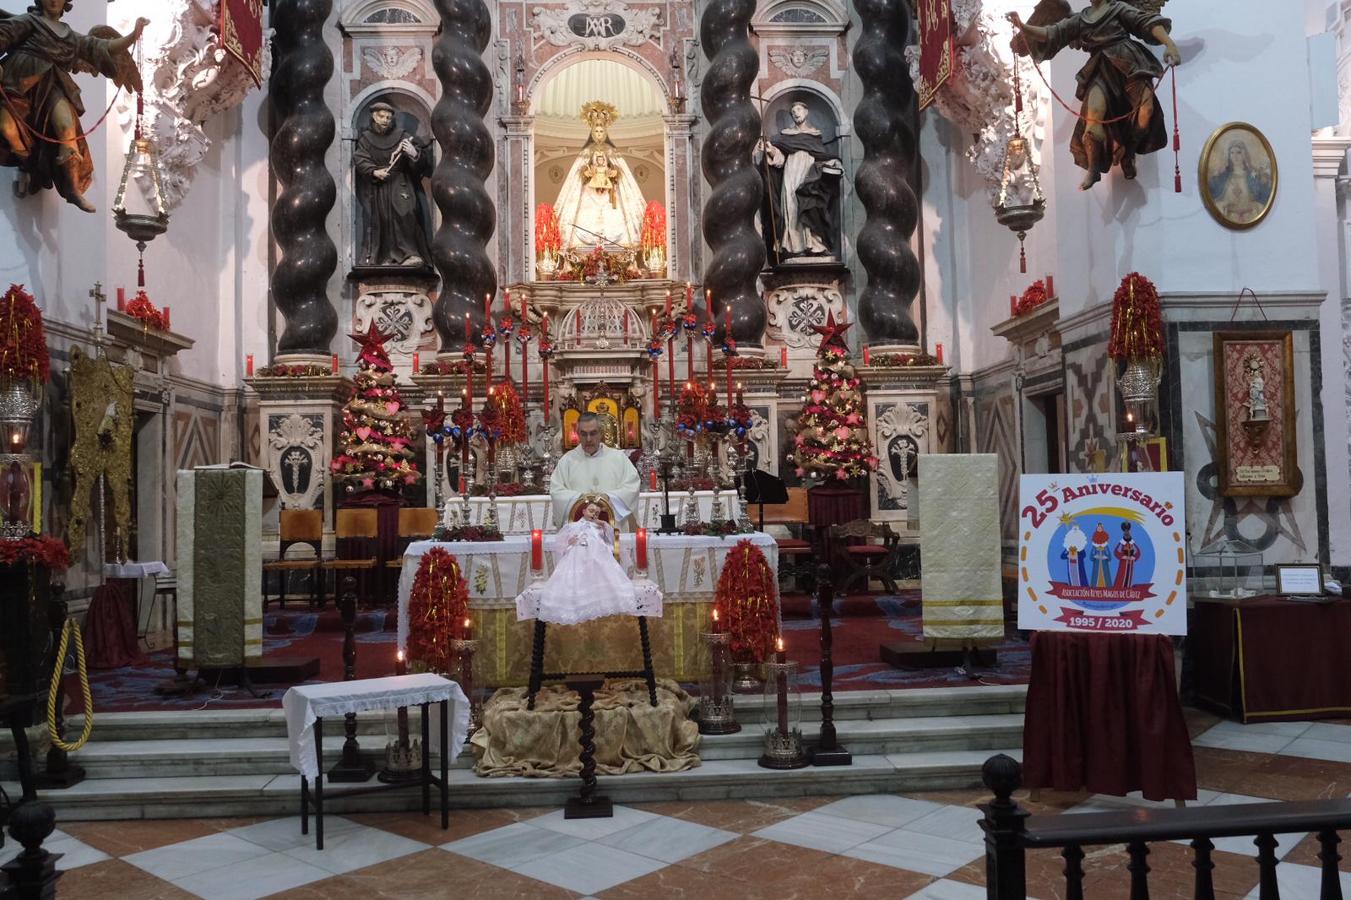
[(518, 188), (305, 130), (885, 123), (682, 262), (734, 198), (468, 218)]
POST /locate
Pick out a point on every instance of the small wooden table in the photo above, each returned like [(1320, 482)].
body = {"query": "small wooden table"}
[(306, 707)]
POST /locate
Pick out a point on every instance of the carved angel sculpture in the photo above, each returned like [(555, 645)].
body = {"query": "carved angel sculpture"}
[(40, 118), (1121, 117)]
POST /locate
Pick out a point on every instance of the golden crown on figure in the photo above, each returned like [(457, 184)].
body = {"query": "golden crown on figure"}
[(599, 113)]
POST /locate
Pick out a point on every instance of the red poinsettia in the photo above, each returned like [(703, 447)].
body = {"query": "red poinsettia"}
[(1034, 296), (23, 342), (42, 551), (140, 308)]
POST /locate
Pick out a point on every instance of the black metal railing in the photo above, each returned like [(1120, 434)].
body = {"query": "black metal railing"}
[(1010, 831)]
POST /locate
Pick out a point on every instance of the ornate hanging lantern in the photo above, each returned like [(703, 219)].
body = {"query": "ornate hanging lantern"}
[(144, 222), (1021, 203)]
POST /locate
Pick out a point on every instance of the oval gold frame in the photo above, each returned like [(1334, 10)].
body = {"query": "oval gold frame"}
[(1202, 168)]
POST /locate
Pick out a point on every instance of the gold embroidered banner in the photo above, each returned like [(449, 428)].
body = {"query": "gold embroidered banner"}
[(936, 48), (241, 33)]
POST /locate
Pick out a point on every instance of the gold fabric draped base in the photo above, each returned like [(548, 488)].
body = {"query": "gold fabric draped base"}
[(631, 735)]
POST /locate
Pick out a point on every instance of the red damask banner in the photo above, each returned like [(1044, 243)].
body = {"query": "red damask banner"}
[(936, 48), (241, 33)]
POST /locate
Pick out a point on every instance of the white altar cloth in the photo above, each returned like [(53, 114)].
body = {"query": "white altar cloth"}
[(523, 513), (134, 569), (305, 703), (684, 568)]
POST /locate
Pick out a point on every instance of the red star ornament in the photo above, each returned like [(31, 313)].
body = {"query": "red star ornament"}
[(832, 333), (372, 343)]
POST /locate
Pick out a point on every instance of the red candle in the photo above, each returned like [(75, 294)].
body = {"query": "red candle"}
[(469, 380), (668, 303), (333, 364), (166, 318), (525, 360), (689, 356), (783, 357), (1050, 286), (417, 362), (462, 479), (121, 299), (656, 377), (468, 337), (670, 366), (468, 632), (537, 550), (867, 356), (626, 327), (248, 360), (728, 359), (938, 352), (717, 626), (708, 353), (1013, 305), (652, 479), (689, 293), (506, 300), (640, 543)]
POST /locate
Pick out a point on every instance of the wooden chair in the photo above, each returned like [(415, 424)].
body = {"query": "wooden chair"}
[(866, 550), (298, 526), (355, 532), (797, 556), (415, 523)]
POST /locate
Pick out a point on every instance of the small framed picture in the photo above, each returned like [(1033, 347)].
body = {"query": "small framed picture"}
[(1299, 579), (1238, 176), (1255, 414)]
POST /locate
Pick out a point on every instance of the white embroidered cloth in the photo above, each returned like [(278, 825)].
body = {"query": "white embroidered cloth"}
[(305, 703), (134, 569)]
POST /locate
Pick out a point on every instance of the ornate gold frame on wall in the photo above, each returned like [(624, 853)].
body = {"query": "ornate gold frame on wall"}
[(1291, 479), (1203, 180), (102, 442)]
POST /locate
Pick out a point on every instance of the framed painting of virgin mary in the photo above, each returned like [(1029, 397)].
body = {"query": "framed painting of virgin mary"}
[(1238, 176)]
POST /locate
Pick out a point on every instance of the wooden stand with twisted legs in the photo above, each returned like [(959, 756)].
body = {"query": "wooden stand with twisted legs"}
[(538, 676), (587, 804)]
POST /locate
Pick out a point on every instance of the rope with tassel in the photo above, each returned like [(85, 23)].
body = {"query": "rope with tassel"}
[(87, 695)]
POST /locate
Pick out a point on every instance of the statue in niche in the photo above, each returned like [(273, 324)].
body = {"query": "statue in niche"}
[(390, 164), (600, 203), (802, 181), (40, 119), (1116, 86)]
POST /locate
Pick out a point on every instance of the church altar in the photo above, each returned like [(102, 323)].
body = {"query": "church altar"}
[(524, 513), (685, 568)]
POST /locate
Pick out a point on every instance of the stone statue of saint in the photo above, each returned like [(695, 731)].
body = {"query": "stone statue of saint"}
[(40, 118), (803, 190), (600, 203), (390, 165)]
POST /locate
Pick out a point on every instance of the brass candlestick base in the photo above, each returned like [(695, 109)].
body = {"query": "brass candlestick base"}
[(744, 679), (716, 711), (783, 750)]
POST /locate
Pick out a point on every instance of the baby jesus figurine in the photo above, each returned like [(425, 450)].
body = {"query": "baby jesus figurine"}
[(587, 582), (600, 175)]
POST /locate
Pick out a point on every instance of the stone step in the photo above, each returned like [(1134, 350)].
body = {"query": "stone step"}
[(175, 758), (875, 705), (277, 795)]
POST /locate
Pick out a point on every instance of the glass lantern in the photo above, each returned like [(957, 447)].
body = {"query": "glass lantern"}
[(715, 711), (1229, 569), (783, 716)]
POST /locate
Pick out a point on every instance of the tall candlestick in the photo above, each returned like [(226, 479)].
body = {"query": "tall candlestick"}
[(689, 356), (467, 632), (781, 686), (670, 368), (656, 380), (708, 350), (401, 668), (668, 303), (468, 337), (506, 300), (689, 293)]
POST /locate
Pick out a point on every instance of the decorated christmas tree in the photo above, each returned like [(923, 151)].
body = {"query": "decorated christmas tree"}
[(831, 444), (375, 447)]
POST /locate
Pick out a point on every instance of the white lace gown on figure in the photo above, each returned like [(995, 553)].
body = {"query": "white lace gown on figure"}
[(587, 582), (585, 212)]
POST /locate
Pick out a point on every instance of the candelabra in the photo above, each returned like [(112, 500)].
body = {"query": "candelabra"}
[(713, 467), (689, 514), (666, 463), (490, 514), (743, 517), (717, 713), (464, 650)]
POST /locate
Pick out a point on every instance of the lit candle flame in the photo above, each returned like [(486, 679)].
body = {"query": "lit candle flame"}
[(466, 622), (400, 656), (715, 615), (778, 644)]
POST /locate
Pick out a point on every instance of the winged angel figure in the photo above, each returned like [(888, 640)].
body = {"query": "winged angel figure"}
[(40, 109), (1121, 116)]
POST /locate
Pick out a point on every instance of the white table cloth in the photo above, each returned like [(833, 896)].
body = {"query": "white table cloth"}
[(685, 569), (305, 703), (522, 514), (135, 569)]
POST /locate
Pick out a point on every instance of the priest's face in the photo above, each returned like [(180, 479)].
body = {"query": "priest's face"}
[(588, 434), (382, 120)]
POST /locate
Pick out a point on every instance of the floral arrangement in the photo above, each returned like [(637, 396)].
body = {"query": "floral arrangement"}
[(739, 419), (715, 417), (691, 410), (548, 236), (1034, 296), (280, 370), (1137, 322), (748, 363), (39, 551), (463, 367), (513, 415), (23, 342), (465, 534), (501, 489), (437, 608), (654, 226), (375, 446), (903, 360), (745, 599), (141, 309), (666, 328), (725, 528), (832, 443), (546, 345)]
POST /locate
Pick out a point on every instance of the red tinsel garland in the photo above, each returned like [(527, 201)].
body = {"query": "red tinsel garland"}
[(437, 608), (747, 602), (1034, 296), (1137, 323), (654, 225), (43, 551), (140, 307), (548, 237), (23, 343), (513, 415)]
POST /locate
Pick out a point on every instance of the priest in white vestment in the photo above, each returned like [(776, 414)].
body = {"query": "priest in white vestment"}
[(593, 468)]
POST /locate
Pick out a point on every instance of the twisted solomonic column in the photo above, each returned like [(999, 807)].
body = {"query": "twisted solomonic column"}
[(468, 218), (885, 123), (734, 198), (303, 67)]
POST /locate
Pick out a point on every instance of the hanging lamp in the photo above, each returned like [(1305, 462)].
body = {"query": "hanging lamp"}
[(1021, 203), (144, 222)]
